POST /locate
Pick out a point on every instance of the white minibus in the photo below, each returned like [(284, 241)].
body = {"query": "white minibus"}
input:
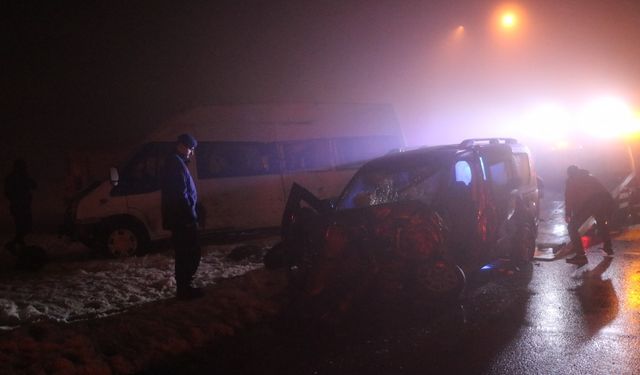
[(247, 158)]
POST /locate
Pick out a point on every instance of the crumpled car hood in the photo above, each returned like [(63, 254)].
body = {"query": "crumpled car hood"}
[(379, 239), (407, 229)]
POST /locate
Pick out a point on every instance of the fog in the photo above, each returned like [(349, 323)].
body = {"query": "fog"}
[(119, 70), (99, 78)]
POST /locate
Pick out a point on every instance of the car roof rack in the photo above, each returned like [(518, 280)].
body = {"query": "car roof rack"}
[(483, 141)]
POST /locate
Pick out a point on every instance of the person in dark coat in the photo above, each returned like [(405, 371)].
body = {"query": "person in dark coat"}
[(17, 188), (585, 196), (179, 198)]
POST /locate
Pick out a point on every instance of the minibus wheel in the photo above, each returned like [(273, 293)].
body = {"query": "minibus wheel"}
[(124, 237)]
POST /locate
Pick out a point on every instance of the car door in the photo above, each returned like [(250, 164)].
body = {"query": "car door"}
[(501, 181), (528, 188)]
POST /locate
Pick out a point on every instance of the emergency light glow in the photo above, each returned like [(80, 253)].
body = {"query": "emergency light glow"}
[(561, 145), (549, 121), (603, 117), (608, 117), (633, 291)]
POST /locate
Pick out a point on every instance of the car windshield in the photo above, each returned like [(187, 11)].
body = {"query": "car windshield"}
[(392, 183)]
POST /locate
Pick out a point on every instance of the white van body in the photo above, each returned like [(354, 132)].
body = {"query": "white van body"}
[(247, 158)]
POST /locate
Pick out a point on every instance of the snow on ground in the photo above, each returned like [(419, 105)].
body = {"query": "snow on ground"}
[(75, 285), (144, 336)]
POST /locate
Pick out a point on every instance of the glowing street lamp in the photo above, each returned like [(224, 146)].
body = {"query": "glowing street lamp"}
[(509, 20)]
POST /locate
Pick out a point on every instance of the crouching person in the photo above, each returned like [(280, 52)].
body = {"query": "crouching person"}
[(585, 196)]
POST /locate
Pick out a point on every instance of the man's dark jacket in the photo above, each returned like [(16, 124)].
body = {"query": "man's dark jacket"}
[(179, 194), (581, 189)]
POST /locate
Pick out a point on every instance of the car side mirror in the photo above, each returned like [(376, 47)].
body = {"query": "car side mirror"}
[(114, 176)]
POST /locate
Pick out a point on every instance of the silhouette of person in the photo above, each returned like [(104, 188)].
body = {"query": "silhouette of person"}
[(179, 215), (585, 196), (17, 188)]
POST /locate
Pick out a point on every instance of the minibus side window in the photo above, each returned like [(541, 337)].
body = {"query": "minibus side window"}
[(354, 151), (236, 159), (307, 155)]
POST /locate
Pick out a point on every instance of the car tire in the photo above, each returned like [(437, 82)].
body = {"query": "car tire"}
[(441, 279), (524, 246), (124, 237)]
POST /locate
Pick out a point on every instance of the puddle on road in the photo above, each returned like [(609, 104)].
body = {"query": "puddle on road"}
[(552, 229)]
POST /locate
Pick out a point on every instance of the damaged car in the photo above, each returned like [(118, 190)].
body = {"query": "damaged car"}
[(414, 222)]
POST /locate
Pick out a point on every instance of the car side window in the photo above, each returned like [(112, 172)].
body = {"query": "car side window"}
[(463, 172), (500, 173), (523, 168), (501, 178)]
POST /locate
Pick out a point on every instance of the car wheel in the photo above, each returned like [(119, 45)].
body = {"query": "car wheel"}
[(525, 243), (441, 279), (124, 238)]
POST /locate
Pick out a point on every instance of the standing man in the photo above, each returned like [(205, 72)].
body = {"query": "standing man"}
[(179, 198), (585, 196), (17, 188)]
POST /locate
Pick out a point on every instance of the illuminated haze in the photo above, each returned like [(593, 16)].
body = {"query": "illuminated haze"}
[(127, 68), (101, 77)]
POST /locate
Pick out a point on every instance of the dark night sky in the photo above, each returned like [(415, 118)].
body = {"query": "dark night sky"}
[(98, 75), (87, 73)]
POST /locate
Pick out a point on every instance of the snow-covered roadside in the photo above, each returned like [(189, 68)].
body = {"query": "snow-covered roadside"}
[(144, 336), (83, 289)]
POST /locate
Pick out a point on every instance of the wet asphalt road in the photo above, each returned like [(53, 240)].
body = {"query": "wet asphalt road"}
[(549, 318)]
